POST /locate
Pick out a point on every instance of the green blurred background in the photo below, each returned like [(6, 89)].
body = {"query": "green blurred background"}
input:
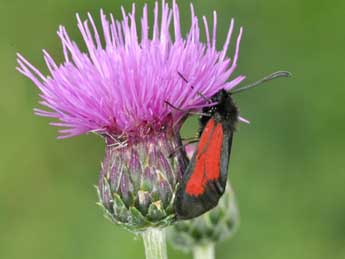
[(287, 166)]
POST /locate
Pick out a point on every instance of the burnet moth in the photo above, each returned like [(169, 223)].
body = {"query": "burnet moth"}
[(204, 180)]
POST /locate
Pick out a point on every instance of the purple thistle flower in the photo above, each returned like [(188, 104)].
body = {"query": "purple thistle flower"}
[(120, 89)]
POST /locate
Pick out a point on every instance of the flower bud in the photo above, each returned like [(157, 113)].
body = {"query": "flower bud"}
[(214, 226)]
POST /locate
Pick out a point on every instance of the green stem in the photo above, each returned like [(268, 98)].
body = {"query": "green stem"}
[(155, 243), (204, 252)]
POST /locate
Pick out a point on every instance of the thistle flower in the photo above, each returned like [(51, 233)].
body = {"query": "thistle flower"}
[(119, 90)]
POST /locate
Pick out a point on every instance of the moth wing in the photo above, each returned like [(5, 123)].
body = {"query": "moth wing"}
[(200, 189), (207, 159)]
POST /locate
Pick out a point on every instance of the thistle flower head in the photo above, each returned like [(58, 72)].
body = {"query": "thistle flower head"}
[(121, 87)]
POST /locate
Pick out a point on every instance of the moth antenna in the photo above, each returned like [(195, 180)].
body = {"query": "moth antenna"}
[(189, 112), (263, 80), (186, 81)]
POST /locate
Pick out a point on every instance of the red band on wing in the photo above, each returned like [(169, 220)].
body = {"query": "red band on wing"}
[(207, 164), (213, 154)]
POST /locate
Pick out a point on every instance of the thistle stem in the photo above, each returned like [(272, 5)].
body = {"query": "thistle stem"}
[(155, 243), (204, 252)]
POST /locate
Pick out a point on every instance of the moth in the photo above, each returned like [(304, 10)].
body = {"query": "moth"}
[(204, 181)]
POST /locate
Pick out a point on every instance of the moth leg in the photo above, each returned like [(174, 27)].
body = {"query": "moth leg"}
[(188, 142)]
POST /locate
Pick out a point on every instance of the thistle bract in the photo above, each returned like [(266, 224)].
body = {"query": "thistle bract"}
[(138, 182), (125, 88)]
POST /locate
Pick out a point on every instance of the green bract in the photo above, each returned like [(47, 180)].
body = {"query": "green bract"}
[(138, 181)]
